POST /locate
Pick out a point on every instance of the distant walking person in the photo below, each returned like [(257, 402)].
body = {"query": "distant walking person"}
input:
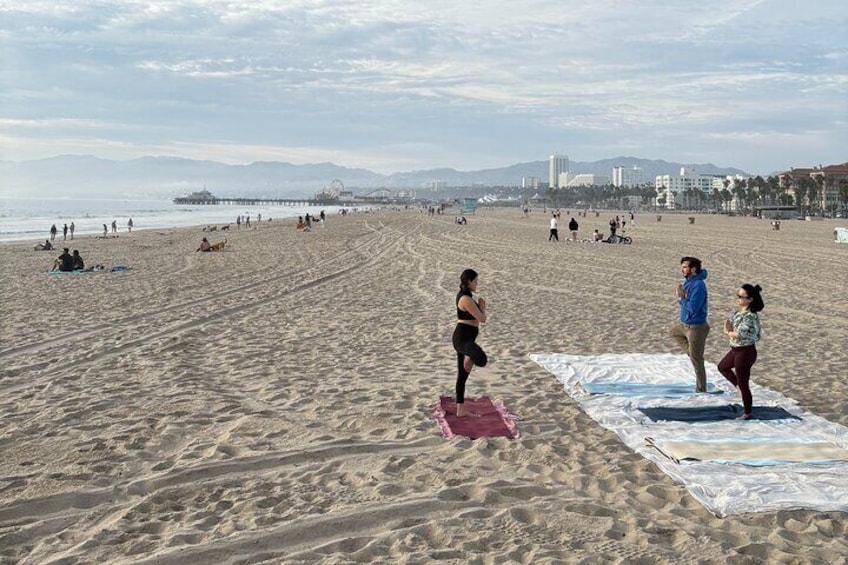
[(573, 227), (129, 225), (53, 232), (744, 330), (554, 228), (691, 330), (114, 226), (105, 231), (470, 314), (238, 222), (71, 229), (65, 231)]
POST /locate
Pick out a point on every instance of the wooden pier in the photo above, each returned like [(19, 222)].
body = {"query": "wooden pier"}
[(193, 200)]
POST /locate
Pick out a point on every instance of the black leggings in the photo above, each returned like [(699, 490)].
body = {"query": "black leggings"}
[(736, 368), (464, 337)]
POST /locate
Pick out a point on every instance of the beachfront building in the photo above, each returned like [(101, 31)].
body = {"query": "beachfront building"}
[(627, 177), (586, 179), (686, 190), (531, 182), (821, 187), (557, 164)]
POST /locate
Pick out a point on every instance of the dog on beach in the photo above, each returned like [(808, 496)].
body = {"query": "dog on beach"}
[(218, 246), (227, 227)]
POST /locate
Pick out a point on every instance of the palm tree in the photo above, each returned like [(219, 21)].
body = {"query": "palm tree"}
[(820, 189), (715, 195), (688, 192), (843, 193), (788, 184), (726, 183), (727, 197), (739, 192), (806, 192), (761, 190)]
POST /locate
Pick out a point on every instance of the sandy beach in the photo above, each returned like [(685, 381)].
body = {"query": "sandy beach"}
[(271, 403)]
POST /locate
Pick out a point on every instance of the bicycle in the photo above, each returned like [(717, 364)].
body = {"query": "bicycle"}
[(615, 238)]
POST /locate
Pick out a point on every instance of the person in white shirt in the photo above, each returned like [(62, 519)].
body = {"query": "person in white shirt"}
[(554, 232)]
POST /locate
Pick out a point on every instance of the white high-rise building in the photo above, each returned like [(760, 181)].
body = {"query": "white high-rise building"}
[(557, 164), (627, 176), (686, 190)]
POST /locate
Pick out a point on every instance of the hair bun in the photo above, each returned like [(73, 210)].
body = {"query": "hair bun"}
[(758, 288)]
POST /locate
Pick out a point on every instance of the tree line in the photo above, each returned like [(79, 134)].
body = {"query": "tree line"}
[(750, 193)]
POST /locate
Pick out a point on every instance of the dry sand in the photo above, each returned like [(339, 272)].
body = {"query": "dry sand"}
[(271, 403)]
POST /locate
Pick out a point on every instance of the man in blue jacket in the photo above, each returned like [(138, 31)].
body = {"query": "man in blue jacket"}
[(692, 329)]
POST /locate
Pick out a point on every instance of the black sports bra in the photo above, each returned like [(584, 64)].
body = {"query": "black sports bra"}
[(462, 314)]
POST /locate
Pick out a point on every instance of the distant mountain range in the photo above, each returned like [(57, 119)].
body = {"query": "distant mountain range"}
[(76, 176)]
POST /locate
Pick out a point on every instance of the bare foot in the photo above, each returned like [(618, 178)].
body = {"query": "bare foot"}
[(461, 412), (467, 364), (744, 417)]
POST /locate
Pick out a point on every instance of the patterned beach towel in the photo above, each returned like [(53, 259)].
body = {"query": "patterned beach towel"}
[(784, 458)]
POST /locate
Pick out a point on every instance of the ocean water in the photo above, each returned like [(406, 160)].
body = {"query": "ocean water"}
[(31, 218)]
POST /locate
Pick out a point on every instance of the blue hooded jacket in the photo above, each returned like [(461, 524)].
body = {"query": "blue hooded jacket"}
[(693, 306)]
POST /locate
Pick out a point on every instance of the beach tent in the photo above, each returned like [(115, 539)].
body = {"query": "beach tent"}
[(840, 235)]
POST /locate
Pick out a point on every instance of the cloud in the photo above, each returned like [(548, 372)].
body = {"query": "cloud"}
[(409, 84)]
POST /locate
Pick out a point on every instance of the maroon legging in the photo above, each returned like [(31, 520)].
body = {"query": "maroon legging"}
[(740, 360)]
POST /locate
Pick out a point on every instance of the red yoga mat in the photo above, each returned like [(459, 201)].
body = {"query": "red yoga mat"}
[(492, 419)]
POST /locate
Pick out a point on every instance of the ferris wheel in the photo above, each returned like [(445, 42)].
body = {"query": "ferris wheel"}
[(336, 186)]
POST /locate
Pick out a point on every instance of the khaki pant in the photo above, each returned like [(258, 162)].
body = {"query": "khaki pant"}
[(693, 340)]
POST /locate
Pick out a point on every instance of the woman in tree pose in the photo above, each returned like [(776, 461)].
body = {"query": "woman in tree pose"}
[(470, 314)]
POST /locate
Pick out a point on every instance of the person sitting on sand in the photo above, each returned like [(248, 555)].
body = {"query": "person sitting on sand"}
[(79, 264), (64, 262), (597, 236), (301, 225), (46, 246), (204, 245)]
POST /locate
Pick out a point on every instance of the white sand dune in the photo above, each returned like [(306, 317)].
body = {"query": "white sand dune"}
[(270, 403)]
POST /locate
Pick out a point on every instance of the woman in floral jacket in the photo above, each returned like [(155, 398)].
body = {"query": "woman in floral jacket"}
[(744, 330)]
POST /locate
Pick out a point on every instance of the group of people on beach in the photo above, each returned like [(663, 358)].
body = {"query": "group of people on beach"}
[(304, 223), (65, 230), (69, 261), (690, 332), (573, 226), (615, 224), (68, 229)]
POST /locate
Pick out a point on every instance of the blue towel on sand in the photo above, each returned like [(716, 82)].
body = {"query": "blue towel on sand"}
[(671, 390), (694, 414)]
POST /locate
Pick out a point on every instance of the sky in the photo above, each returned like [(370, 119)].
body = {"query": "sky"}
[(400, 85)]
